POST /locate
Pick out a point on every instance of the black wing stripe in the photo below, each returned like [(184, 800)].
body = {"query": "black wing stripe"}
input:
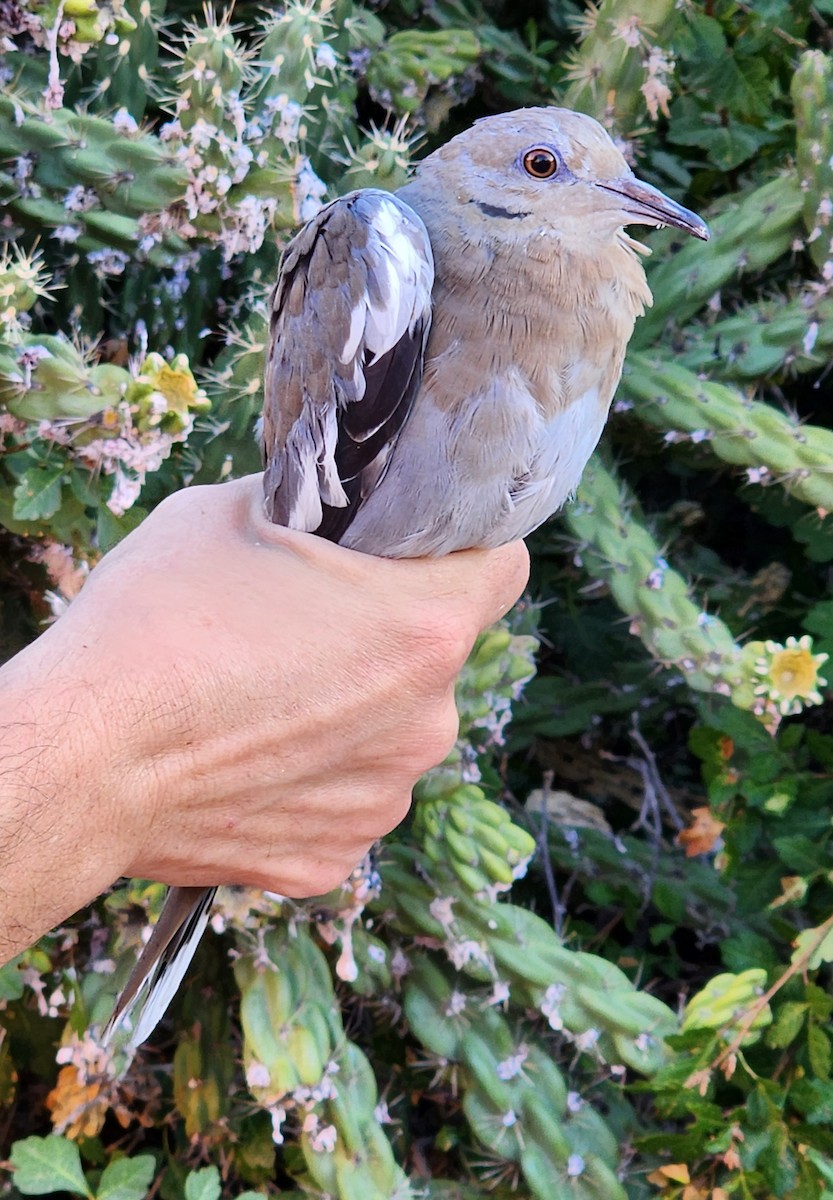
[(397, 373)]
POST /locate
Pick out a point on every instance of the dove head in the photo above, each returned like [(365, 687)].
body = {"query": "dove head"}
[(548, 171)]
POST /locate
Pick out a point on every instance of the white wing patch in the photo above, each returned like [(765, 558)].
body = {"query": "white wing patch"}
[(402, 278), (383, 268), (354, 337)]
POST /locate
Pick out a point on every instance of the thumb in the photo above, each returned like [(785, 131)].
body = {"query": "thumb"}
[(486, 582)]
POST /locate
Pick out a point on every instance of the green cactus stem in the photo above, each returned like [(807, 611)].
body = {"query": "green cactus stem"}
[(619, 73), (585, 998), (412, 61), (812, 96), (300, 1065), (515, 1098), (773, 446), (93, 163), (787, 336), (753, 231), (615, 546)]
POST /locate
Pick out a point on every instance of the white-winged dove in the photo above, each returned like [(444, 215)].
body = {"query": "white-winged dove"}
[(441, 365)]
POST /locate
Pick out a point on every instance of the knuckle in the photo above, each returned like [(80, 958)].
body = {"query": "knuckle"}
[(395, 811), (329, 876), (390, 806), (434, 738), (445, 733), (440, 642)]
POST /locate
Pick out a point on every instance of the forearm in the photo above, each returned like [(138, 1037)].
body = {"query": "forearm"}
[(52, 861)]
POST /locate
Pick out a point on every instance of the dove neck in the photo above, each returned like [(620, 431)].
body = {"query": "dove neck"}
[(532, 291), (528, 278)]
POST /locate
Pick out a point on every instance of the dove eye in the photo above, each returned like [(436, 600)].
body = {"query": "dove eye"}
[(540, 163)]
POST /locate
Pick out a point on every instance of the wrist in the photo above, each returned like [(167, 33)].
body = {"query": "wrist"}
[(58, 840)]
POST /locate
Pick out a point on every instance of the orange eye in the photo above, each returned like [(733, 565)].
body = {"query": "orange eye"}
[(540, 163)]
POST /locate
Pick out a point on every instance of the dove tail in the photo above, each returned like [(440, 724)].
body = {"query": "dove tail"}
[(162, 964)]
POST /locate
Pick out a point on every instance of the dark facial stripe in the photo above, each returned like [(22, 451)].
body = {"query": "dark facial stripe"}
[(494, 210)]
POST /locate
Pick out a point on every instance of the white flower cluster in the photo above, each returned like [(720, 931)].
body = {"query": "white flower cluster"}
[(220, 144), (129, 457)]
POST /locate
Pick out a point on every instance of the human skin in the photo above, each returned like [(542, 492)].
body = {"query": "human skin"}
[(229, 702)]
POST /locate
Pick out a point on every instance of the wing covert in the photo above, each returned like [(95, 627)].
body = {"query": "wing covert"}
[(350, 318)]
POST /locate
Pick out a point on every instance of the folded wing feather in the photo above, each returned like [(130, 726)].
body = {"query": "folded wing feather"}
[(350, 318)]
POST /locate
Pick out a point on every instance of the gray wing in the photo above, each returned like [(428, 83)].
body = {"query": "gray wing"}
[(350, 318)]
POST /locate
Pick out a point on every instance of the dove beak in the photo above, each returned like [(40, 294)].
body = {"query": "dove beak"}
[(647, 205)]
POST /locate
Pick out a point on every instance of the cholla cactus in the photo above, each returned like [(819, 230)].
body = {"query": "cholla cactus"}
[(812, 93), (23, 280), (95, 418), (615, 546), (412, 61), (301, 1069), (756, 228), (621, 70), (771, 445), (71, 28)]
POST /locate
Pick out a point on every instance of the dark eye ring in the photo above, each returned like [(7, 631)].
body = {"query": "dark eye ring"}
[(540, 163)]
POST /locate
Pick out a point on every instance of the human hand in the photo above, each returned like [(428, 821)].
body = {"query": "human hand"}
[(231, 702)]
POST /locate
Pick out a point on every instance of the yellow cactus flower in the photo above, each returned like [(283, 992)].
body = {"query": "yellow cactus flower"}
[(165, 394), (789, 674)]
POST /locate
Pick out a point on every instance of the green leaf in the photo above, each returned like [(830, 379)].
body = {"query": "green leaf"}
[(819, 1051), (821, 954), (127, 1178), (203, 1185), (814, 1098), (11, 980), (823, 1165), (819, 622), (747, 949), (787, 1024), (801, 854), (670, 899), (110, 529), (38, 494), (816, 534), (43, 1165), (819, 1003)]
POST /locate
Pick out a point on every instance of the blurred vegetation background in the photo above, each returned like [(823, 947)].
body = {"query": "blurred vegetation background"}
[(595, 963)]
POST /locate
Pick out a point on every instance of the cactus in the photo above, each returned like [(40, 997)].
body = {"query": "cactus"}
[(299, 1063), (516, 1099), (381, 160), (619, 69), (583, 997), (126, 66), (306, 88), (100, 418), (161, 155), (412, 61), (785, 336), (24, 279), (75, 26), (773, 446), (756, 228), (476, 837), (501, 663), (812, 95), (203, 1071), (103, 170), (614, 545)]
